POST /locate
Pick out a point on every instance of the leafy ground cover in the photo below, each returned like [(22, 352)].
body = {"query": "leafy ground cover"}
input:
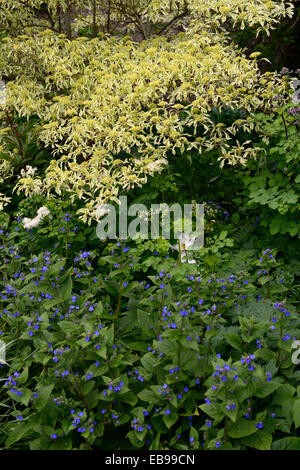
[(133, 344), (172, 355)]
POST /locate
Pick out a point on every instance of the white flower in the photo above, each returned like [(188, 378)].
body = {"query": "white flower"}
[(31, 223), (43, 211), (102, 210), (29, 171), (185, 242), (156, 165), (184, 260)]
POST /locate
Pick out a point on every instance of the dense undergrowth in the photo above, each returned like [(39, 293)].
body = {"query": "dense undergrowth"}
[(123, 335), (200, 355), (127, 344)]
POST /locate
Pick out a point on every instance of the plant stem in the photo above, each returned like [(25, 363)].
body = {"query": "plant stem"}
[(160, 315), (119, 300), (14, 129)]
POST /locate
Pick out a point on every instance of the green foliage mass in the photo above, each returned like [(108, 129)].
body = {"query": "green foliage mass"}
[(132, 344), (110, 110), (122, 337), (273, 182)]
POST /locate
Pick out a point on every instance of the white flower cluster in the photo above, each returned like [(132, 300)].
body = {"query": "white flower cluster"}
[(30, 171), (102, 210), (31, 223), (156, 165)]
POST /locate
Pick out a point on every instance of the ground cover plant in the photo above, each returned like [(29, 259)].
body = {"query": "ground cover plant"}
[(130, 344), (181, 358)]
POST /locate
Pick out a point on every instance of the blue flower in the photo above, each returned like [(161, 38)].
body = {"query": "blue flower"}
[(286, 337)]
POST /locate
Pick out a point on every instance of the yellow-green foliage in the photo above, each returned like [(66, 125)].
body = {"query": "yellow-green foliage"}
[(146, 17), (17, 14), (102, 98)]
